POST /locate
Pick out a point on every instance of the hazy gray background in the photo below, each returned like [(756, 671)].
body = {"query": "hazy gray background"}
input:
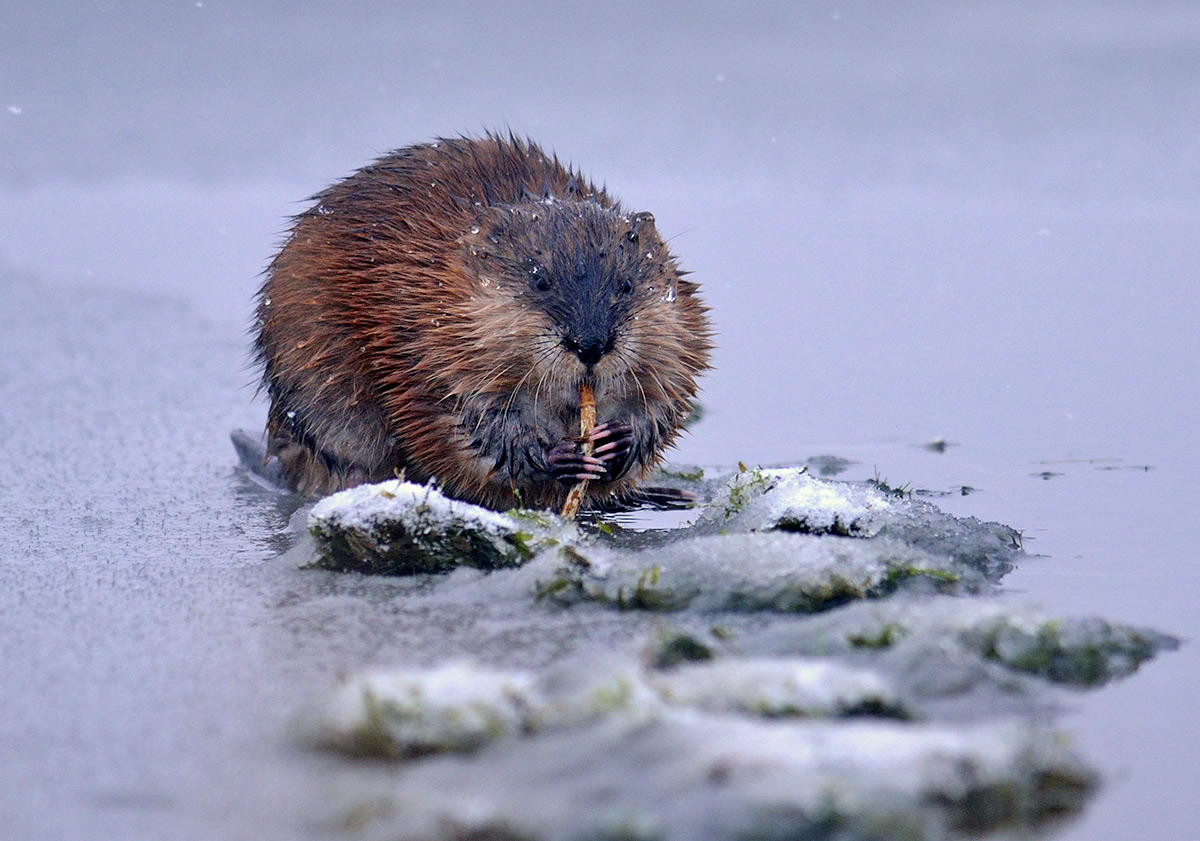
[(903, 183), (972, 220)]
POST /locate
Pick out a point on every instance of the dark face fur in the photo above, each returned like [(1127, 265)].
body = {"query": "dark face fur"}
[(589, 276), (575, 292)]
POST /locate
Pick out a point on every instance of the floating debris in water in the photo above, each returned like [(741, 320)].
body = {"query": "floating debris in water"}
[(830, 465)]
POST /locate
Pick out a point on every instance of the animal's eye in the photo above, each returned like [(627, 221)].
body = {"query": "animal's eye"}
[(627, 287), (537, 275)]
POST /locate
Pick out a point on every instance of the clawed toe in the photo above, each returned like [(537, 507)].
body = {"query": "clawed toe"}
[(567, 463), (612, 443)]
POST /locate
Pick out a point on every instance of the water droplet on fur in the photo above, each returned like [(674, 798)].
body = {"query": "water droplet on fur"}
[(670, 296), (291, 415), (474, 229), (266, 302)]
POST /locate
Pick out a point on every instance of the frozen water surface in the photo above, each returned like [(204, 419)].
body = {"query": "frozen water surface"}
[(970, 223)]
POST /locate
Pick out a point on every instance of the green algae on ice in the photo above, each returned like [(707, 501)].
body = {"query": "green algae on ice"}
[(791, 500), (751, 572), (1086, 652), (687, 771), (401, 528), (458, 707), (410, 713), (1083, 652)]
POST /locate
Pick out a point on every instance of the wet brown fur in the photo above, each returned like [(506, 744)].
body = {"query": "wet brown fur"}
[(398, 330)]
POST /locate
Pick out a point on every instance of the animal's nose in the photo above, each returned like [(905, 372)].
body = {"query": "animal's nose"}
[(590, 349)]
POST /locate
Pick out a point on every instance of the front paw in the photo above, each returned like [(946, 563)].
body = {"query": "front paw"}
[(613, 444), (567, 463)]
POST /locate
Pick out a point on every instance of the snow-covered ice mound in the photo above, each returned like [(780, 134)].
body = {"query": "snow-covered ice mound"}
[(812, 659)]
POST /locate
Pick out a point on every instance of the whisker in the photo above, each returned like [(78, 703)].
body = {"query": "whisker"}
[(627, 358), (650, 369), (540, 357), (496, 373), (517, 389)]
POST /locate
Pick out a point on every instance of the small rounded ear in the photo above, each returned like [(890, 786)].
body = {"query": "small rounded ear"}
[(641, 223)]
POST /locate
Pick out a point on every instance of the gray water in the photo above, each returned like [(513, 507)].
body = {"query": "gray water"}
[(971, 222)]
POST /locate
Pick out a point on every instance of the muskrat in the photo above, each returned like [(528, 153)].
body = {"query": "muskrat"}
[(434, 314)]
